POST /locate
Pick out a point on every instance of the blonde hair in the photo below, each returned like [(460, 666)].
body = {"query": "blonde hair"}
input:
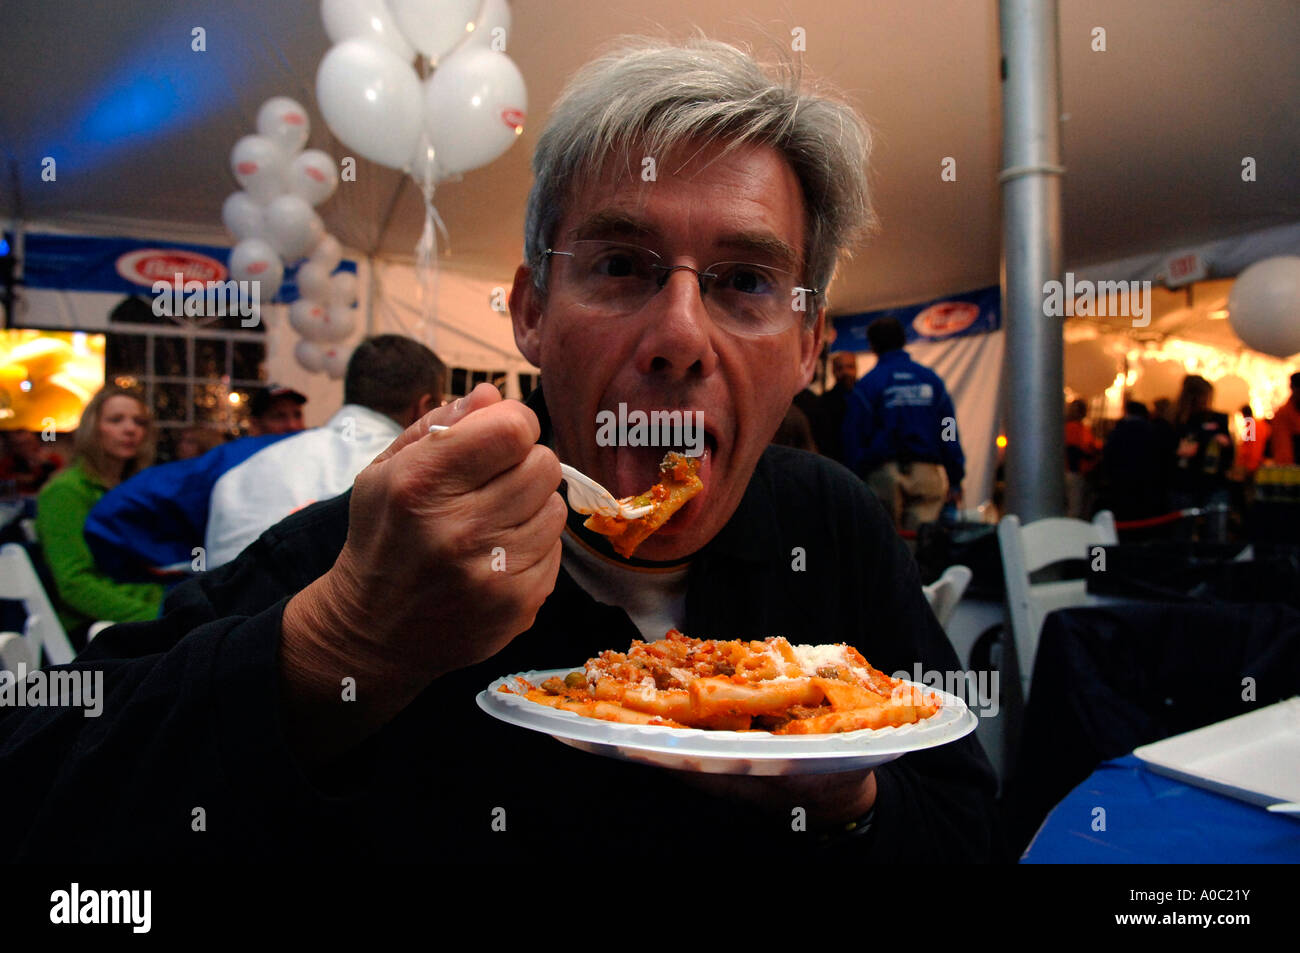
[(89, 452)]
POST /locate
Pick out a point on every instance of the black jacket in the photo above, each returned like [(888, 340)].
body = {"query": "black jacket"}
[(191, 726)]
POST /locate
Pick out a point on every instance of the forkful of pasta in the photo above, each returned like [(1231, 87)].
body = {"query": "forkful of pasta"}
[(589, 497)]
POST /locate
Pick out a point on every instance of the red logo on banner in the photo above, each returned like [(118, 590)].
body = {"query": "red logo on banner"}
[(148, 265), (945, 318), (514, 118)]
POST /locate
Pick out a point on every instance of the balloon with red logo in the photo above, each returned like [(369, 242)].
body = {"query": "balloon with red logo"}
[(313, 176), (258, 165), (336, 361), (340, 322), (474, 109), (308, 318), (254, 259), (284, 122)]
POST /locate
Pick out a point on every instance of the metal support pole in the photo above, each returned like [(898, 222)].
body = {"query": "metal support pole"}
[(1031, 244)]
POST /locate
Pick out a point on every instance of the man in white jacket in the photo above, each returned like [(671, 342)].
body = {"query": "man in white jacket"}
[(391, 382)]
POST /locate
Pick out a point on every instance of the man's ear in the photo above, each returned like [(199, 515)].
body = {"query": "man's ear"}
[(526, 315), (810, 346), (419, 407)]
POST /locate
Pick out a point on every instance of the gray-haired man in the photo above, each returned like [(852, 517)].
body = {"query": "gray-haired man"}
[(319, 691)]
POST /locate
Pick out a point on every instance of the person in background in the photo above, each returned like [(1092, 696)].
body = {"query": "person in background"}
[(114, 440), (391, 382), (196, 441), (828, 421), (1081, 454), (1204, 453), (1132, 469), (900, 432), (275, 410), (27, 462), (1284, 446)]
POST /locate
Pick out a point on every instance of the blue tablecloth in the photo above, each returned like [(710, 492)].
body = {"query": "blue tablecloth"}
[(1151, 819)]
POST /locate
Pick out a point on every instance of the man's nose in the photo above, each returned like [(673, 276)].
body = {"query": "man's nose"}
[(677, 339)]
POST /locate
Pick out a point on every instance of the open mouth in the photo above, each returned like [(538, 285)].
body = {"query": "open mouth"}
[(636, 469)]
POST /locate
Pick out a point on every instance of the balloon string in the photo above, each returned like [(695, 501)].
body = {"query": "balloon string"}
[(426, 261)]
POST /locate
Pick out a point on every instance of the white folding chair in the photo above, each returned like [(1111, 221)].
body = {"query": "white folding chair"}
[(1028, 549), (15, 651), (18, 580), (945, 592)]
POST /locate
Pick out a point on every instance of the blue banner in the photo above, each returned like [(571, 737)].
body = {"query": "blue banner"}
[(128, 266), (972, 312)]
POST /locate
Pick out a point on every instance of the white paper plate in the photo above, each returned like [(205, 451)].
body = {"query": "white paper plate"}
[(727, 752), (1253, 757)]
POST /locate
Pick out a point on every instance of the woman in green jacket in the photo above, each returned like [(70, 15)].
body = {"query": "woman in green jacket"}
[(114, 440)]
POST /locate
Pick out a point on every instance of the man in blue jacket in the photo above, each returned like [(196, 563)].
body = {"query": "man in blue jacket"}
[(900, 432)]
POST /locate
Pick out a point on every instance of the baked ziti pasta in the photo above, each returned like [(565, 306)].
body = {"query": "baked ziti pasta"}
[(678, 481), (772, 686)]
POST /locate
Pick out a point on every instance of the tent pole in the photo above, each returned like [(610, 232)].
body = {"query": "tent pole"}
[(1031, 246)]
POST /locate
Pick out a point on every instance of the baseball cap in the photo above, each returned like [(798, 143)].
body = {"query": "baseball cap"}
[(261, 400)]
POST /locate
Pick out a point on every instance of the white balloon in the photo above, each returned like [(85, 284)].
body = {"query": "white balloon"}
[(364, 20), (243, 217), (433, 26), (370, 99), (258, 165), (340, 322), (492, 29), (284, 122), (292, 228), (314, 176), (313, 281), (255, 260), (424, 164), (474, 107), (310, 356), (336, 361), (343, 289), (1264, 306), (327, 253), (308, 318)]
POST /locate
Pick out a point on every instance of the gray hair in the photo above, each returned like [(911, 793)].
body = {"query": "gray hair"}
[(657, 95)]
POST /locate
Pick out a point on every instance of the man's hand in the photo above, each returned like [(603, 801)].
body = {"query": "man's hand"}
[(453, 545)]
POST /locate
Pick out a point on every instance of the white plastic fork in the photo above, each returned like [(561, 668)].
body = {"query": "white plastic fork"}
[(586, 495)]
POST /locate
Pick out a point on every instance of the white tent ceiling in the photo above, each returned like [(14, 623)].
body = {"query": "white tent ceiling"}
[(1156, 129)]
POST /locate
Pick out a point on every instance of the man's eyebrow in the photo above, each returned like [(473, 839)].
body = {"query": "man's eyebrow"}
[(763, 245), (613, 224)]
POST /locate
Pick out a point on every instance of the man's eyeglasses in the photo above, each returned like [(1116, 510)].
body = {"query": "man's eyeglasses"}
[(618, 278)]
